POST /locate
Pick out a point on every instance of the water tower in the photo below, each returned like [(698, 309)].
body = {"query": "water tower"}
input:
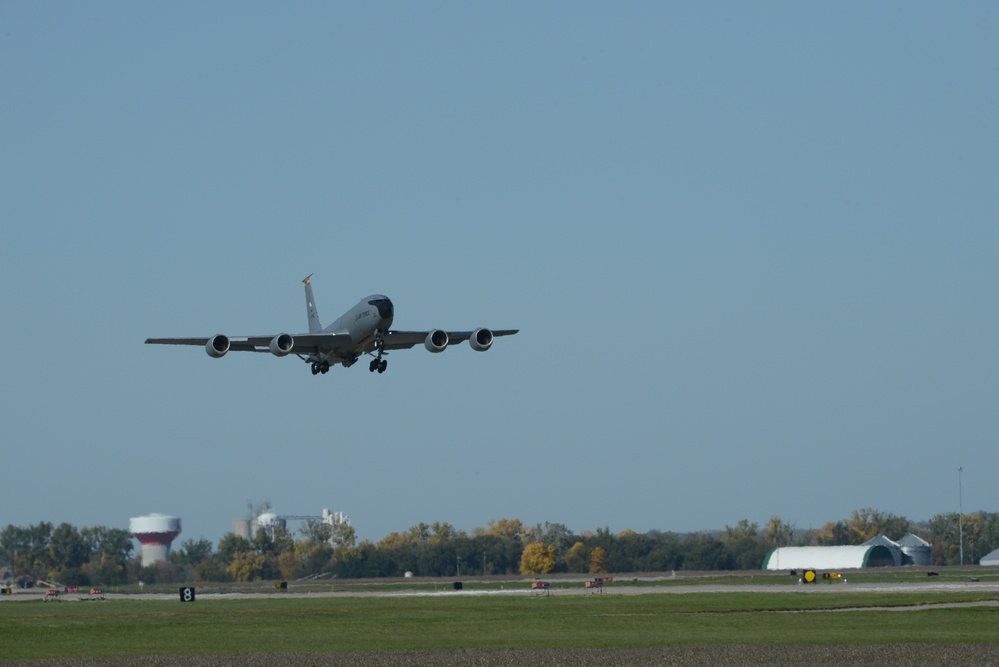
[(155, 532)]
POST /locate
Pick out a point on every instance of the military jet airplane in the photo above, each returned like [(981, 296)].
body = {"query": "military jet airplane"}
[(364, 329)]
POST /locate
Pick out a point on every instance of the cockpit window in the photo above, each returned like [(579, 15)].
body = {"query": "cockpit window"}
[(384, 307)]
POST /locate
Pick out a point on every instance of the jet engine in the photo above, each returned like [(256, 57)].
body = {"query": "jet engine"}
[(436, 341), (217, 346), (281, 344), (481, 340)]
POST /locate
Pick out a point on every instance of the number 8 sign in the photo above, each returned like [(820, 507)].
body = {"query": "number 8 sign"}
[(187, 594)]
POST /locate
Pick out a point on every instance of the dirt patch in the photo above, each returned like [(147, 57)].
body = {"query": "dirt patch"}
[(916, 655)]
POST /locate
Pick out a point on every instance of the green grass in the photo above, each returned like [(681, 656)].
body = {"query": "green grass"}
[(340, 624)]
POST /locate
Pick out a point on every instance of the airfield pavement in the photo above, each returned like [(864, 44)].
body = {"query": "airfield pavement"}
[(565, 587), (915, 655)]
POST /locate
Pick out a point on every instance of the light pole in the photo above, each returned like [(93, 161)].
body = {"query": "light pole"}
[(960, 510)]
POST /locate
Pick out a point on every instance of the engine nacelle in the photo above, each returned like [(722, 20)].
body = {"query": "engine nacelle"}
[(217, 346), (481, 340), (436, 341), (281, 344)]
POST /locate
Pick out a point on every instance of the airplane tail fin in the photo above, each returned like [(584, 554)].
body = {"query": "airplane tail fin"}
[(310, 307)]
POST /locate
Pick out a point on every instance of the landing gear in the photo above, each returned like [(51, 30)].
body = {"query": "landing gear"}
[(379, 364), (320, 367)]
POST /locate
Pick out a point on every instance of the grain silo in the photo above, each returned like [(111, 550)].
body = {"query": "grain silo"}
[(916, 551)]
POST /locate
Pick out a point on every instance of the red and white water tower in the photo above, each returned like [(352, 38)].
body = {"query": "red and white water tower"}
[(155, 532)]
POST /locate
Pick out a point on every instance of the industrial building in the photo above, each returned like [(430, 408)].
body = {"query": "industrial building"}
[(269, 521), (876, 552)]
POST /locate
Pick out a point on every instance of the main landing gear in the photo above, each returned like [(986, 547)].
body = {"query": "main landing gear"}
[(379, 364), (320, 367)]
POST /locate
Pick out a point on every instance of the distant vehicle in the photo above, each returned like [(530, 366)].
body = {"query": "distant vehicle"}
[(364, 329)]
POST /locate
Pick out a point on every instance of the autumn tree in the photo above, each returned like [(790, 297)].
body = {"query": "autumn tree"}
[(537, 558), (778, 533), (989, 534), (343, 537), (944, 531), (863, 525), (288, 564), (248, 566), (441, 532), (513, 528), (597, 558), (210, 570), (868, 523), (420, 532)]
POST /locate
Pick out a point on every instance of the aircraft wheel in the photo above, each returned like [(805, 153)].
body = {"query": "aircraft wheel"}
[(382, 365), (315, 369), (324, 368), (373, 366)]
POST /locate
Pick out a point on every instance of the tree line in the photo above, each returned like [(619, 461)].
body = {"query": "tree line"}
[(106, 556)]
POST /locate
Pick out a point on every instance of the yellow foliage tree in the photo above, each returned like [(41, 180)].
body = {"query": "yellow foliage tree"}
[(597, 557), (287, 563), (506, 528), (246, 566), (778, 533), (395, 540), (537, 558)]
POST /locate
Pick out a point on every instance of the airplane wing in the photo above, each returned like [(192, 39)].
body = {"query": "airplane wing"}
[(304, 343), (403, 340)]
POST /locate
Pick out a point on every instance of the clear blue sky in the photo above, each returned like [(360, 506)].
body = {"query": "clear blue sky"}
[(753, 249)]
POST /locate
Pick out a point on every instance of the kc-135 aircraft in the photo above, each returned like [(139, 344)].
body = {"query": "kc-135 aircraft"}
[(364, 329)]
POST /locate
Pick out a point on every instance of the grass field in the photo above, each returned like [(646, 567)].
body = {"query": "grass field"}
[(314, 625)]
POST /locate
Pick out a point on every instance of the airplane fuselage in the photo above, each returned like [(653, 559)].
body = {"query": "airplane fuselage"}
[(370, 318), (370, 315)]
